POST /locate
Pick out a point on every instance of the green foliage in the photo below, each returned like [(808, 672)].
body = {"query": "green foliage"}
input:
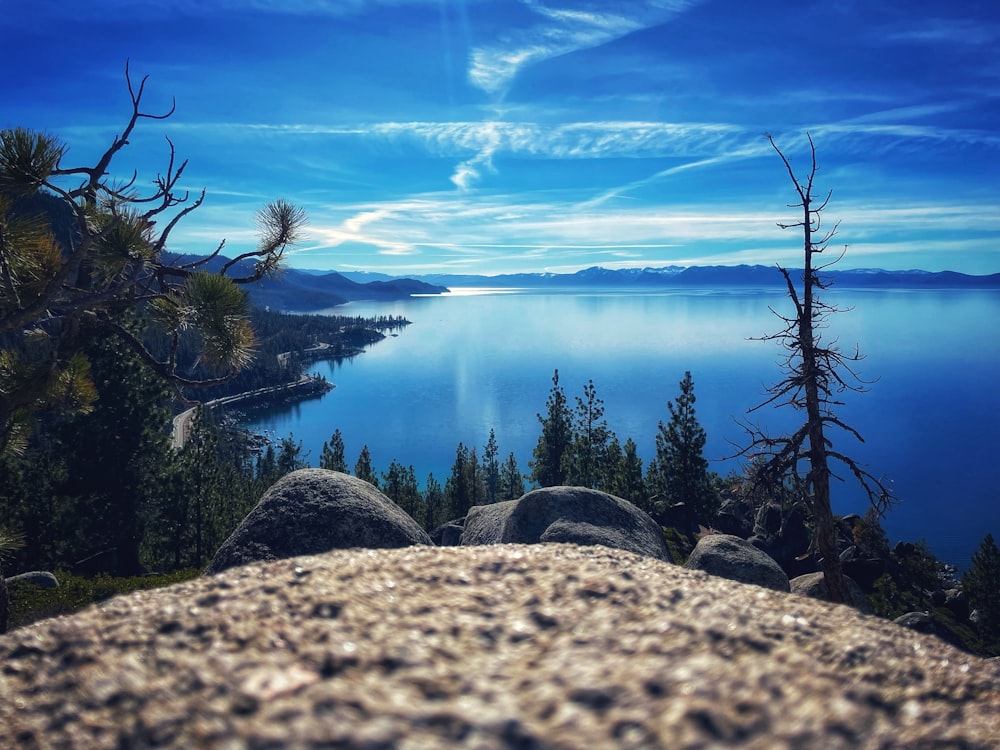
[(585, 461), (31, 603), (679, 544), (464, 488), (511, 479), (363, 469), (627, 481), (679, 473), (434, 500), (399, 484), (82, 252), (870, 537), (548, 467), (981, 584), (332, 454), (491, 468)]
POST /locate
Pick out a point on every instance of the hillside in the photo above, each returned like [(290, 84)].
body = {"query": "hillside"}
[(754, 276)]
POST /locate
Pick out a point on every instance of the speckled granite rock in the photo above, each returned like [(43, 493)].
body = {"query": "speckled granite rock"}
[(570, 515), (312, 511), (738, 560), (506, 646), (814, 585)]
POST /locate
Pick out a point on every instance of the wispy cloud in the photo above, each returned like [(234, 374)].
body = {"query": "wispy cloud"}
[(949, 31), (560, 30)]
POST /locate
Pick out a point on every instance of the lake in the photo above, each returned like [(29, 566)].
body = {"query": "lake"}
[(478, 359)]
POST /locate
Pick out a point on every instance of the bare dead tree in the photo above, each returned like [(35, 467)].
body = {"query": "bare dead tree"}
[(816, 373)]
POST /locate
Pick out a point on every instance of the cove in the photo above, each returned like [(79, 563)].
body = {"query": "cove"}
[(478, 359)]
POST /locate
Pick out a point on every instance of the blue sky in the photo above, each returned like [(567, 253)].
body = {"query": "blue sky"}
[(490, 136)]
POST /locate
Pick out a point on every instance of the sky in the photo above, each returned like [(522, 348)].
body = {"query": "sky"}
[(498, 136)]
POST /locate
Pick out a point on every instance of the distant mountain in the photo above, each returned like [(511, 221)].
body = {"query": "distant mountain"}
[(704, 277), (301, 291)]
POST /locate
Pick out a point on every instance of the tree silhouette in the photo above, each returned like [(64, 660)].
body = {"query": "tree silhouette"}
[(548, 467), (586, 458), (816, 372), (680, 471), (80, 250), (981, 583)]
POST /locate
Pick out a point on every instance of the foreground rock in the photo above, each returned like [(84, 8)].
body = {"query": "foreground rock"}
[(546, 646), (311, 511), (738, 560), (575, 515)]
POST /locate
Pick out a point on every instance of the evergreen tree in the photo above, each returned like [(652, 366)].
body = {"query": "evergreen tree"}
[(290, 456), (435, 503), (464, 488), (511, 480), (332, 455), (78, 248), (267, 465), (399, 484), (680, 471), (491, 468), (627, 482), (586, 460), (363, 468), (981, 583), (124, 433), (548, 469)]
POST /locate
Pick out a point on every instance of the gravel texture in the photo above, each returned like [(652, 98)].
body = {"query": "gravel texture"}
[(505, 646)]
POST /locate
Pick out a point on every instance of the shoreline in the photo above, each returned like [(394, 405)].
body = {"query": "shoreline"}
[(306, 384)]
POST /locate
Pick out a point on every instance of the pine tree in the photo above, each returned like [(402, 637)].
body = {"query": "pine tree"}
[(981, 583), (586, 459), (290, 456), (399, 484), (627, 481), (511, 480), (548, 469), (679, 472), (332, 455), (491, 468), (79, 249), (464, 487), (363, 468), (434, 501)]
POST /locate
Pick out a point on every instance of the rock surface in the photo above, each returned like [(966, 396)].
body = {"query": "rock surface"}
[(738, 560), (574, 515), (40, 578), (312, 511), (505, 646), (814, 585)]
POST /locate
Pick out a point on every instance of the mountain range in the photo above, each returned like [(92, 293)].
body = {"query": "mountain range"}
[(299, 290), (699, 276)]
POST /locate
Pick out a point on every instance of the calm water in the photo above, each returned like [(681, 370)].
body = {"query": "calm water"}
[(478, 359)]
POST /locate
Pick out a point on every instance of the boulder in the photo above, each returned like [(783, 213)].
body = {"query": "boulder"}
[(738, 560), (40, 578), (734, 518), (574, 515), (922, 622), (448, 534), (315, 510), (503, 646), (484, 523), (863, 570), (813, 585)]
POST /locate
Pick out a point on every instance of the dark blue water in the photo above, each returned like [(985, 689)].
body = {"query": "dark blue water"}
[(471, 362)]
